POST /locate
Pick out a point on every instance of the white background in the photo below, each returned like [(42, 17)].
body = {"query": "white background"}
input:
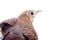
[(46, 23)]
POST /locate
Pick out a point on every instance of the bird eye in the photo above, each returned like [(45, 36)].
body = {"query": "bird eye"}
[(32, 13)]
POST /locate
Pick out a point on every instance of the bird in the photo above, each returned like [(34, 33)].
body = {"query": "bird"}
[(20, 28)]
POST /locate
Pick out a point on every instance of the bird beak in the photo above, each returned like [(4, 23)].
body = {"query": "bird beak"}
[(38, 11)]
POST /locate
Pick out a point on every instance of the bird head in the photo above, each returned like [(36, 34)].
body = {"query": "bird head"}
[(30, 13)]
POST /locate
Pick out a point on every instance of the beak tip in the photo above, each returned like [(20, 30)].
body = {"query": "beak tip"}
[(39, 11)]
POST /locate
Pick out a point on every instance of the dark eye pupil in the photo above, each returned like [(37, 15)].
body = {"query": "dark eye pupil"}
[(32, 13)]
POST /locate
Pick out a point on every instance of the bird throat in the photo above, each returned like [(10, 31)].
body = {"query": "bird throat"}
[(27, 17)]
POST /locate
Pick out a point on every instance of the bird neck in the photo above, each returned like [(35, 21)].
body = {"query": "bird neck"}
[(25, 17)]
